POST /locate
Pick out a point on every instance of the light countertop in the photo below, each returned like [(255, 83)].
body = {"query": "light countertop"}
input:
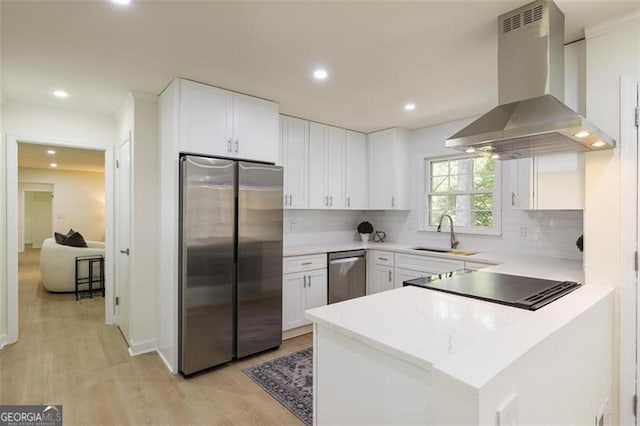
[(468, 339)]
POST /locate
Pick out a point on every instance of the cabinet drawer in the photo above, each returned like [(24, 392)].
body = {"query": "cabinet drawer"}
[(304, 263), (433, 265), (384, 258), (474, 266)]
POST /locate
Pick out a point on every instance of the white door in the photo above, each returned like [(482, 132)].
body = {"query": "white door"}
[(295, 147), (293, 300), (255, 128), (336, 139), (38, 217), (123, 236), (357, 190), (318, 197), (206, 119), (316, 286), (381, 169)]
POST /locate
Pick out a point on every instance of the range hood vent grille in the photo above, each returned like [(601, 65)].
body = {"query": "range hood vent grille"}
[(527, 17)]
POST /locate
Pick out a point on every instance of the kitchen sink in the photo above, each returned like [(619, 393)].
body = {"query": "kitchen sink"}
[(448, 251)]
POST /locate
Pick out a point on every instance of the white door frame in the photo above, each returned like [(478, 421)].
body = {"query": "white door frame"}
[(12, 223), (630, 228)]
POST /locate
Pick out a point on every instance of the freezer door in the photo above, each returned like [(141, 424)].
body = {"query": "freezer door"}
[(207, 197), (259, 288)]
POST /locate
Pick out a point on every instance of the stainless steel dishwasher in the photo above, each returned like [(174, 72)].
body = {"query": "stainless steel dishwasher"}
[(347, 275)]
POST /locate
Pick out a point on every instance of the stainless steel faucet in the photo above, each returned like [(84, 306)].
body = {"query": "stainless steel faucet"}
[(454, 243)]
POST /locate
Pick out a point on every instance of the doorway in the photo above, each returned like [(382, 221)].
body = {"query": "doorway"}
[(81, 207)]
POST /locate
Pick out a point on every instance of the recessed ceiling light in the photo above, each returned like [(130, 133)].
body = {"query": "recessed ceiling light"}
[(53, 165), (470, 150), (320, 74), (495, 156), (582, 134), (598, 144), (50, 152), (121, 2), (410, 107), (60, 94)]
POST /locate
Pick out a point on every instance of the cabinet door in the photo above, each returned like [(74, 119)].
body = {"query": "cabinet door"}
[(255, 128), (317, 166), (521, 180), (381, 169), (293, 300), (382, 279), (295, 159), (336, 139), (357, 190), (205, 119), (559, 181), (316, 290)]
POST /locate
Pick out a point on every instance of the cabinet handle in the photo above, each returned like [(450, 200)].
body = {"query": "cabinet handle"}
[(513, 199), (306, 263), (326, 201), (383, 258), (348, 201), (229, 145), (389, 275), (393, 201), (331, 201), (304, 278), (309, 281), (290, 199), (237, 146)]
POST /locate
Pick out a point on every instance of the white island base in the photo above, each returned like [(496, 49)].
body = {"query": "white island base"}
[(465, 362)]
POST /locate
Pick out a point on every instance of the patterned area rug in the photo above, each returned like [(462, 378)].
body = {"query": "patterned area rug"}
[(288, 379)]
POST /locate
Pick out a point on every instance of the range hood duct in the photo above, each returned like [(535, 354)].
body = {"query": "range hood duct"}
[(531, 118)]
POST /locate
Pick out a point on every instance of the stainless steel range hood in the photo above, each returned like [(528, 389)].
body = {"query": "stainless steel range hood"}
[(531, 118)]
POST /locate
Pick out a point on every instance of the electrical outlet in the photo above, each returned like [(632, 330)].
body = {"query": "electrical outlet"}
[(508, 411), (523, 231)]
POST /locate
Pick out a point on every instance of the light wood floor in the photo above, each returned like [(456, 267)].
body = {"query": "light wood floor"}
[(66, 355)]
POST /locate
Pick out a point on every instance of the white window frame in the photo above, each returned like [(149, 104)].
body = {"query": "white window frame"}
[(496, 229)]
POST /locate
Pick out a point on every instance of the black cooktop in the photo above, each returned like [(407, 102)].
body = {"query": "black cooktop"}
[(512, 290)]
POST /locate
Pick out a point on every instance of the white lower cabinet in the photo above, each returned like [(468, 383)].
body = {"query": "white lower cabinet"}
[(403, 275), (302, 290), (380, 271)]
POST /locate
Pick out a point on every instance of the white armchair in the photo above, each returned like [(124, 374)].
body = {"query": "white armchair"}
[(57, 263)]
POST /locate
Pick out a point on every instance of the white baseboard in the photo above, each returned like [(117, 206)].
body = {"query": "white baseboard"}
[(166, 363), (146, 346)]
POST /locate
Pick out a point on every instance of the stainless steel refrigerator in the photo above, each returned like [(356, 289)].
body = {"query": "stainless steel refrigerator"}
[(230, 260)]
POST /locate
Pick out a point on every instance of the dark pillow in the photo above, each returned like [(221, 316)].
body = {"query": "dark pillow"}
[(75, 240), (59, 237)]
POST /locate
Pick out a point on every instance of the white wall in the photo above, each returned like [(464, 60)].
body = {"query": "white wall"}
[(613, 50), (78, 201), (320, 226), (139, 115)]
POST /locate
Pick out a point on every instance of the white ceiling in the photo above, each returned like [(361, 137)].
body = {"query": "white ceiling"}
[(380, 55), (35, 156)]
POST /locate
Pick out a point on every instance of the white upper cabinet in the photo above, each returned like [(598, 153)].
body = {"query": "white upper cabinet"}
[(218, 122), (357, 189), (336, 140), (389, 170), (326, 166), (206, 119), (255, 128), (549, 182), (294, 135), (317, 166)]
